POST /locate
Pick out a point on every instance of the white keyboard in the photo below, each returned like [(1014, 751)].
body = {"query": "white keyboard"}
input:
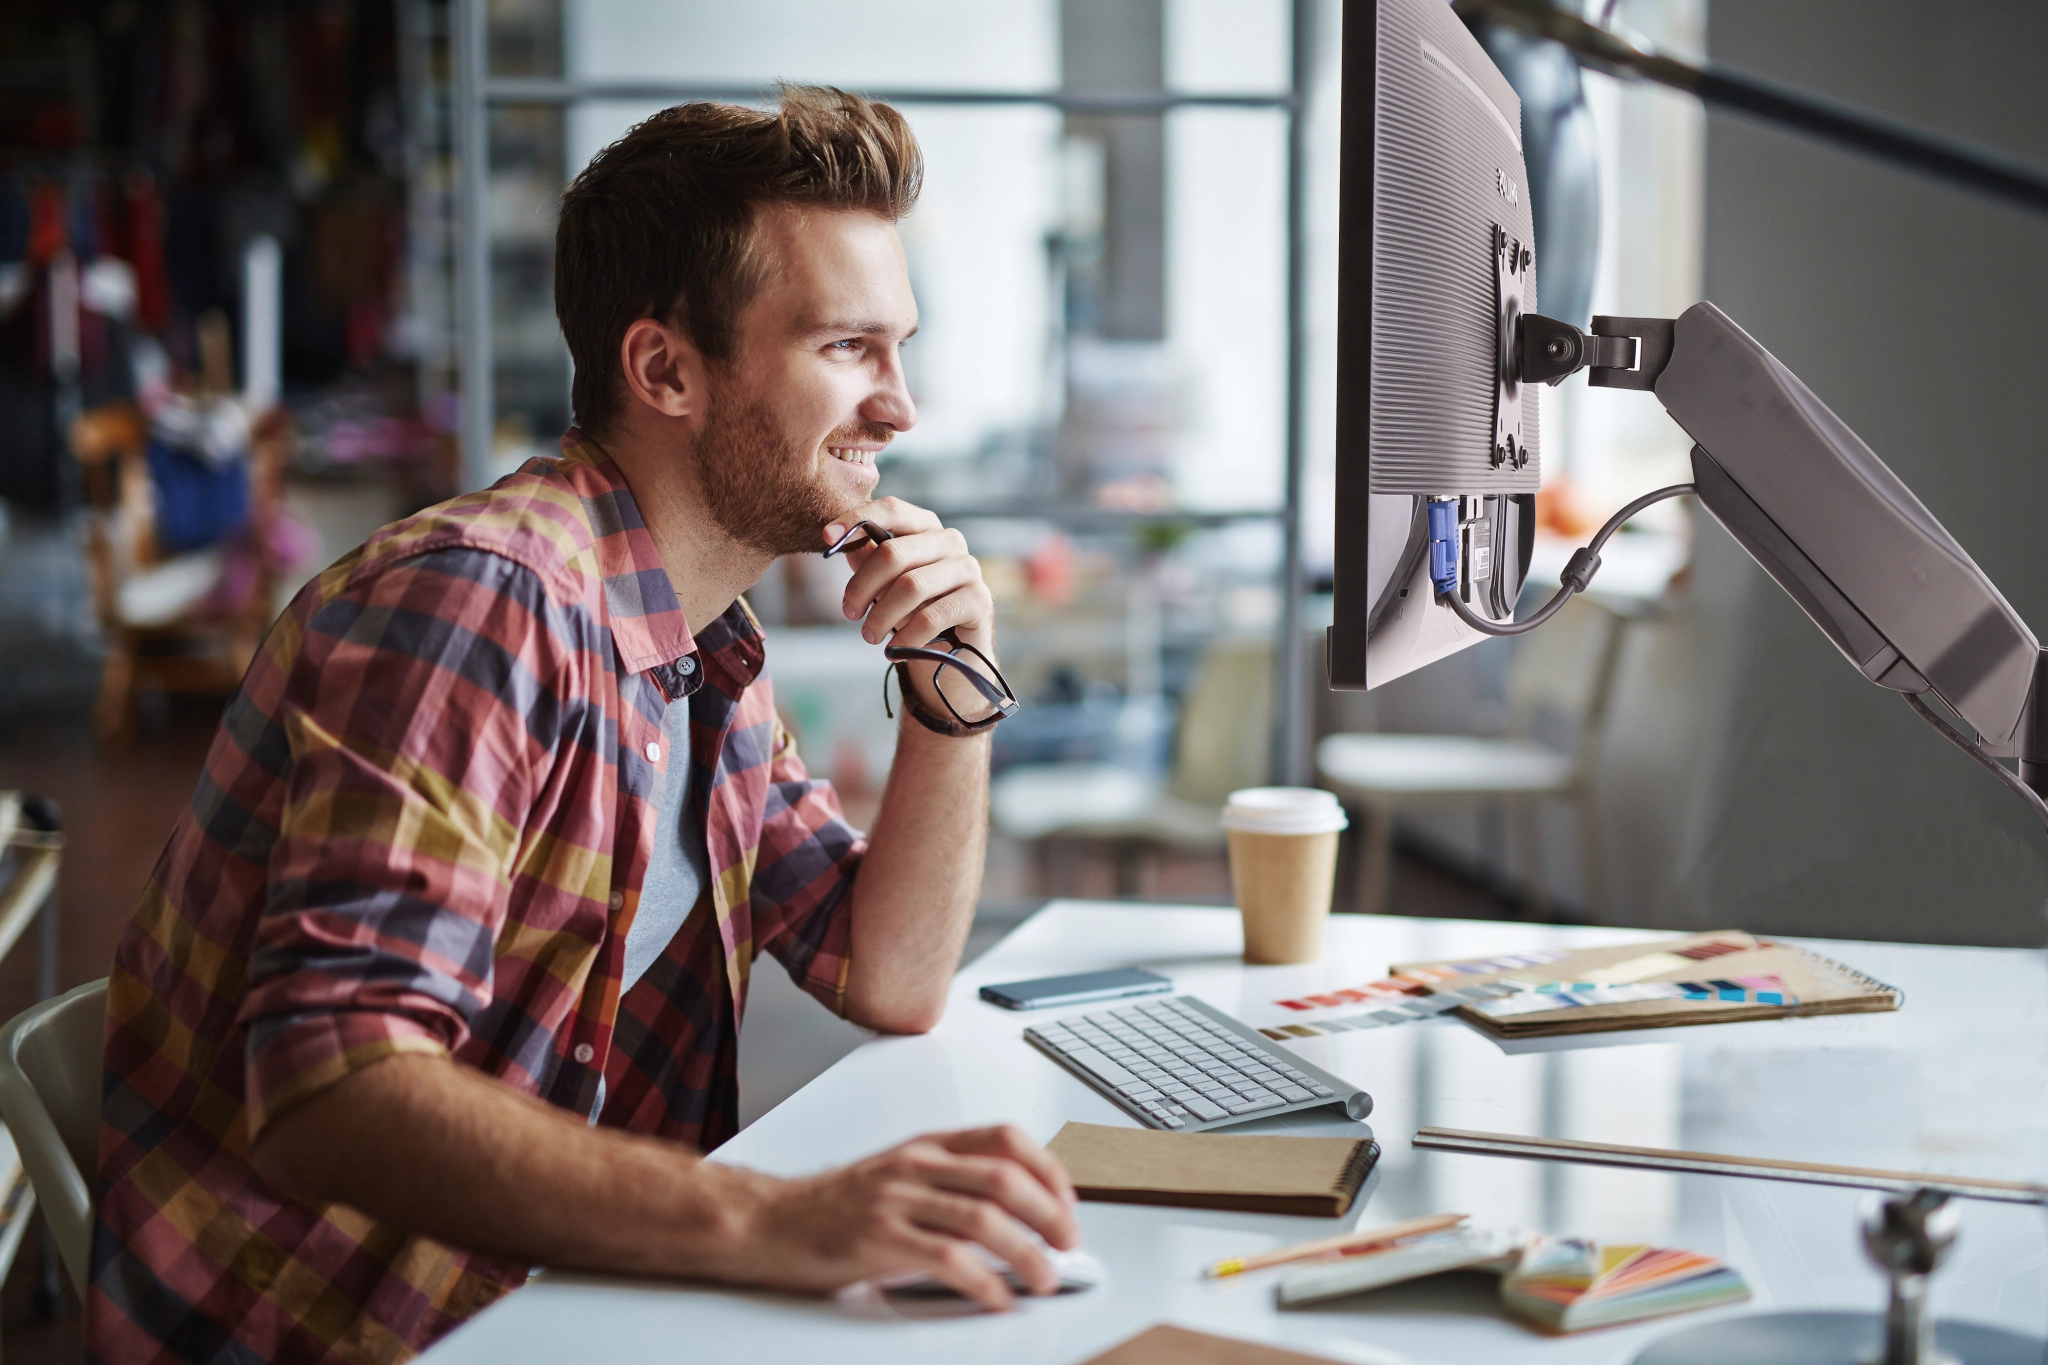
[(1182, 1064)]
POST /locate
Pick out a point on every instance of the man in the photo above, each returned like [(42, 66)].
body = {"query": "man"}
[(440, 977)]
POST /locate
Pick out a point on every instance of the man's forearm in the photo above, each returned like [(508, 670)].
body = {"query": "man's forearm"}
[(913, 898), (436, 1148), (443, 1150)]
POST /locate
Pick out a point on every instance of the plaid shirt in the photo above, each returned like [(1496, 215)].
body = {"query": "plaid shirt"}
[(422, 828)]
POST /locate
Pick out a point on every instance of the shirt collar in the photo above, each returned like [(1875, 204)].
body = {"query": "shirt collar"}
[(647, 623)]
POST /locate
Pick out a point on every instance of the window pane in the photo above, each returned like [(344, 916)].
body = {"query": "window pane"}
[(1013, 45), (1234, 45)]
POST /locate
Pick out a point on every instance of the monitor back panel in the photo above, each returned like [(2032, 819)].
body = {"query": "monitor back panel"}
[(1432, 183)]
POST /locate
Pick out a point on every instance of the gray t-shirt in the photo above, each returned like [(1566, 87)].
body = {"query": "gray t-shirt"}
[(680, 868)]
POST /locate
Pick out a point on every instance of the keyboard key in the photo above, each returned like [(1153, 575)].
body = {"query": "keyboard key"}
[(1095, 1062), (1293, 1094), (1203, 1110), (1171, 1122), (1140, 1092), (1322, 1090)]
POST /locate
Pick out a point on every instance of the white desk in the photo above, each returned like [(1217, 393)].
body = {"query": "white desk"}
[(1957, 1082)]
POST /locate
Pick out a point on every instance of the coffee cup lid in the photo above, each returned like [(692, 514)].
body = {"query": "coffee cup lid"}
[(1284, 810)]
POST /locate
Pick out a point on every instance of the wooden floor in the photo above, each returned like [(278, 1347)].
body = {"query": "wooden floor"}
[(117, 812)]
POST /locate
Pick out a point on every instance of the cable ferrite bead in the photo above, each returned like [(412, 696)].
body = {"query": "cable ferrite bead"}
[(1579, 570)]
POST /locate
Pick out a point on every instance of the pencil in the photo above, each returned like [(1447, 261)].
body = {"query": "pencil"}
[(1350, 1241)]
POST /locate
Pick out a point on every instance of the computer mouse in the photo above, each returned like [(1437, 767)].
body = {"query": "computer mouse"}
[(1078, 1270)]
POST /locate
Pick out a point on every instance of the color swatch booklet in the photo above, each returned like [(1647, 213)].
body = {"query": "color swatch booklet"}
[(1559, 1284), (1714, 978)]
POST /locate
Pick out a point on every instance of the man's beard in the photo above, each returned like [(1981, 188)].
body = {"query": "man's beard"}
[(759, 485)]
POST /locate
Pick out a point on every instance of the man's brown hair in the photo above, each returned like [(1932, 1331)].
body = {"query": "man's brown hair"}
[(660, 223)]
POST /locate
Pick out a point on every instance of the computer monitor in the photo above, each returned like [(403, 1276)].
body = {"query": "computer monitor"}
[(1436, 264), (1440, 349)]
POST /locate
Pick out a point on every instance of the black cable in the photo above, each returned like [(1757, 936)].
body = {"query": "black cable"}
[(1585, 562), (1976, 751)]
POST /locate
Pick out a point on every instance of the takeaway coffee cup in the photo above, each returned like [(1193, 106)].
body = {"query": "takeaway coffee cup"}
[(1283, 863)]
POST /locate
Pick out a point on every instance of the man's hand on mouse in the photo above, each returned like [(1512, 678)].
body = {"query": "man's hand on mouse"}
[(924, 1206)]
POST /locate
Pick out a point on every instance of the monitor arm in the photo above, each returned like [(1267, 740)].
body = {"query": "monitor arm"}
[(1841, 534)]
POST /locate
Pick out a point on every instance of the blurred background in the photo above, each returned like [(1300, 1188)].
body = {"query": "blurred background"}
[(241, 305)]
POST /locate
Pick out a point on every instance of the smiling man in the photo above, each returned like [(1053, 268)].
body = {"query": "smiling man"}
[(440, 977)]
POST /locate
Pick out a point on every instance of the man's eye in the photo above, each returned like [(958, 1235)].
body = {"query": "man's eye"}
[(849, 344)]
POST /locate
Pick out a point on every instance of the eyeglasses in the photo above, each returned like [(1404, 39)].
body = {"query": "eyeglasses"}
[(964, 688)]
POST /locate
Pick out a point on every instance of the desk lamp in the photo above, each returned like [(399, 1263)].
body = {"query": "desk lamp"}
[(1440, 346)]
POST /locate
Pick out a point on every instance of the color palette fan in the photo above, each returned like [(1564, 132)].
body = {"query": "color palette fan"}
[(1566, 1284)]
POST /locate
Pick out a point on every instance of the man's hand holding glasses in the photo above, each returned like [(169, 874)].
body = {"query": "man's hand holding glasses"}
[(917, 588)]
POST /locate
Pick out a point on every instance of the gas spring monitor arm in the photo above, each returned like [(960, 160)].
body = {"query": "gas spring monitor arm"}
[(1829, 521)]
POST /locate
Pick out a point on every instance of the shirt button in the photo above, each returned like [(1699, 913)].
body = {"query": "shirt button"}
[(584, 1052), (653, 752), (618, 900), (686, 665)]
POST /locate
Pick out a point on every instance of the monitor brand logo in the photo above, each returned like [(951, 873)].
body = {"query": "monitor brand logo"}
[(1506, 187)]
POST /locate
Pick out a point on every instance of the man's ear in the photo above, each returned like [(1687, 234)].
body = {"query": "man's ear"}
[(662, 368)]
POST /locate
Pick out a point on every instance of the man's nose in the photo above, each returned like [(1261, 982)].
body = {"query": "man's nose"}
[(890, 404)]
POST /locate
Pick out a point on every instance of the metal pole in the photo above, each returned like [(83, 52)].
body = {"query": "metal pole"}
[(1973, 168), (473, 241), (521, 90), (1290, 762)]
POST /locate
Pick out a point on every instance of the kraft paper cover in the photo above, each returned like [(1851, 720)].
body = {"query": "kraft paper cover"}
[(1263, 1174)]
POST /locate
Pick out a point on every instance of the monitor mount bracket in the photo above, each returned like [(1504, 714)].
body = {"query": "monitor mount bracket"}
[(1634, 353), (1512, 261)]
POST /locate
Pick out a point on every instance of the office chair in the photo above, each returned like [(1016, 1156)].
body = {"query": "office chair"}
[(50, 1061), (1221, 745), (1565, 672)]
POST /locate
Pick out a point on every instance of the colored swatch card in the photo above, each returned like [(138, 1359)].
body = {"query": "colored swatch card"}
[(1561, 995), (1371, 993), (1405, 983), (1404, 1011), (1725, 976), (1641, 969)]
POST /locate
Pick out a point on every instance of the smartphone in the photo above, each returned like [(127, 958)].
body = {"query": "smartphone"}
[(1073, 990)]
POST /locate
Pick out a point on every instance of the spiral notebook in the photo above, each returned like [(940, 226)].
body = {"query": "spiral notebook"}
[(1315, 1176), (1721, 977)]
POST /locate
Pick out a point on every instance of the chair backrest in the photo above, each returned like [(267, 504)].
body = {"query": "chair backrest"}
[(1564, 675), (50, 1064), (1226, 723)]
